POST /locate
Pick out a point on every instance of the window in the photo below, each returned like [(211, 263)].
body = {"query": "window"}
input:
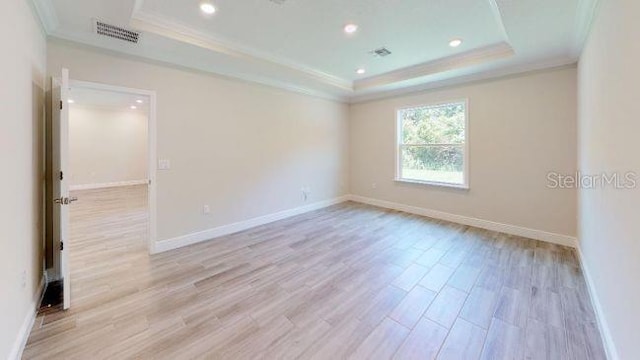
[(432, 144)]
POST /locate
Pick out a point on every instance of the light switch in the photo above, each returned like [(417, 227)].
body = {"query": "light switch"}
[(164, 164)]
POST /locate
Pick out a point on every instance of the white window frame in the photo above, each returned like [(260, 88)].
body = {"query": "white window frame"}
[(399, 144)]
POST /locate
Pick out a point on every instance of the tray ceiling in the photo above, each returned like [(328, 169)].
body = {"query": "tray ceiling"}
[(300, 45)]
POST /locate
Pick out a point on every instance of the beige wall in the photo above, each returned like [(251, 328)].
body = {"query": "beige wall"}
[(608, 142), (106, 145), (246, 150), (520, 128), (22, 68)]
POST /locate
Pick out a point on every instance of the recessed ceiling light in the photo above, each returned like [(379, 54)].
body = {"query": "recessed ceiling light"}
[(361, 71), (350, 28), (139, 101), (70, 101), (133, 107), (455, 42), (207, 8)]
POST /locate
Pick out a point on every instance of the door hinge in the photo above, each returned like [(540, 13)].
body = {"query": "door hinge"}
[(61, 245), (60, 104), (61, 175)]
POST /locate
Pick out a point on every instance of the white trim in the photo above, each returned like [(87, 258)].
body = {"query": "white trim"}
[(200, 236), (559, 239), (71, 39), (27, 324), (351, 97), (398, 176), (163, 26), (585, 15), (433, 183), (603, 326), (46, 14), (151, 140), (497, 14), (108, 185), (482, 55), (343, 89), (106, 87), (554, 64)]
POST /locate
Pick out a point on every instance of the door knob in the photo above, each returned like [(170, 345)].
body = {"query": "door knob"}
[(65, 200)]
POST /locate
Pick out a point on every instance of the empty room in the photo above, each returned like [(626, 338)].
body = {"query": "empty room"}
[(287, 179)]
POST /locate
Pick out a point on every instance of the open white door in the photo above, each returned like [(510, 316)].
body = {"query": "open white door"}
[(60, 152)]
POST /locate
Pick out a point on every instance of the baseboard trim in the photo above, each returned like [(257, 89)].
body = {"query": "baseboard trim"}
[(200, 236), (603, 326), (559, 239), (108, 185), (27, 324)]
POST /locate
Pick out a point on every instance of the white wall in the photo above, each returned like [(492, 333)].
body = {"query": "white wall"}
[(106, 145), (520, 128), (609, 127), (22, 70), (244, 149)]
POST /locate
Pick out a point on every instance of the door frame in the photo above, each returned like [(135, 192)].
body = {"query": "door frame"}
[(151, 147)]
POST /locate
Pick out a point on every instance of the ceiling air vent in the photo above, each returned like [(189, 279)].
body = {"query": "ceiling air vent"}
[(382, 52), (116, 32)]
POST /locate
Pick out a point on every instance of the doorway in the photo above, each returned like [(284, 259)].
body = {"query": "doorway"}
[(106, 148)]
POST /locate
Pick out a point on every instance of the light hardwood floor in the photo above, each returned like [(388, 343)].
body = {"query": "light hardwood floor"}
[(349, 281)]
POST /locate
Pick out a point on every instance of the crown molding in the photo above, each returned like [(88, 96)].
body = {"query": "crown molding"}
[(160, 25), (520, 70), (75, 41), (70, 39), (489, 53), (585, 15), (363, 90), (46, 13), (497, 13)]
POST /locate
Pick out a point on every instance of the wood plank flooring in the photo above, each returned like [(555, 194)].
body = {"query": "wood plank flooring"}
[(346, 282)]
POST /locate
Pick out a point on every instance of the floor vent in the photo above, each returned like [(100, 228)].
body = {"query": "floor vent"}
[(116, 32)]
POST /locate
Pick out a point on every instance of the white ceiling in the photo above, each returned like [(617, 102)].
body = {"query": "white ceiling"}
[(110, 100), (300, 44)]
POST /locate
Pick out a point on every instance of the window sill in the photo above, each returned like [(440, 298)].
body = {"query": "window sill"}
[(434, 183)]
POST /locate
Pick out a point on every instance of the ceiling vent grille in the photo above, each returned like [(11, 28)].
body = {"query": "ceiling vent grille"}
[(382, 52), (116, 32)]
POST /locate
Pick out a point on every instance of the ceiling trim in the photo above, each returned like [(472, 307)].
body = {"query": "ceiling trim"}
[(160, 25), (74, 40), (473, 57), (46, 13), (585, 15), (550, 65), (347, 91), (497, 13)]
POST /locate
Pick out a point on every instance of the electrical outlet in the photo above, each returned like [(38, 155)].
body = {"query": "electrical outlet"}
[(374, 185), (206, 210), (164, 164)]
